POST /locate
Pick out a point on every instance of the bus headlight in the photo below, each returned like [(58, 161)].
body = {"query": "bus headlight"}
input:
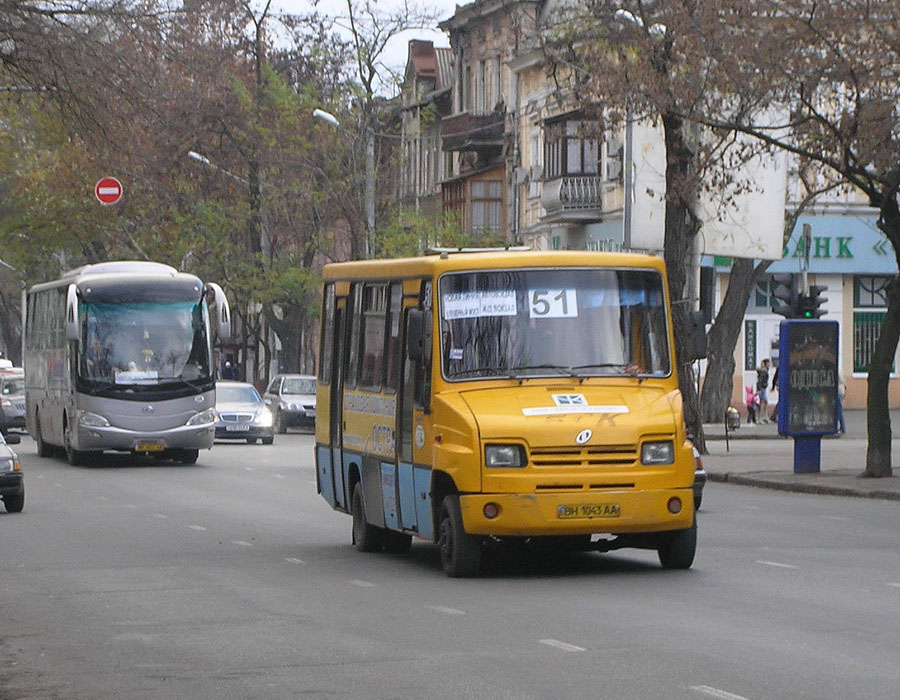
[(206, 417), (92, 420), (263, 418), (504, 456), (662, 452)]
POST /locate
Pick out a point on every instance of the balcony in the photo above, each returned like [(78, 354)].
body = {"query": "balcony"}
[(469, 131), (579, 198)]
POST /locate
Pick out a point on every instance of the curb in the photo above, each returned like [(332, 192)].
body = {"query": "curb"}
[(800, 487)]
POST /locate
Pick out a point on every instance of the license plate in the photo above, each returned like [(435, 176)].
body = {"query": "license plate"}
[(149, 447), (240, 427), (589, 510)]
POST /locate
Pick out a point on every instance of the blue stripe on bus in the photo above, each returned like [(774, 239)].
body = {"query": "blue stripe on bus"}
[(326, 473), (422, 494), (389, 495), (408, 518)]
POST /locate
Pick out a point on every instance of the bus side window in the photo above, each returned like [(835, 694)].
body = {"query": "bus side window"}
[(419, 342)]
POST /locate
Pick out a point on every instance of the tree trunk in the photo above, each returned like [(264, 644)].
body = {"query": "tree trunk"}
[(681, 226), (878, 418), (715, 395), (288, 330)]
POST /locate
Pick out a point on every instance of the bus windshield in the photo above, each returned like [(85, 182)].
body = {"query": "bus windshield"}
[(151, 343), (553, 322)]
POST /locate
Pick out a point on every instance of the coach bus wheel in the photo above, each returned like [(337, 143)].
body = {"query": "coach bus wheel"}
[(74, 457), (460, 551), (188, 456), (396, 542), (14, 504), (366, 536), (43, 449), (676, 550)]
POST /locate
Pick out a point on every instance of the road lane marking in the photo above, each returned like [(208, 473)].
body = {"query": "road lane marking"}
[(717, 693), (241, 543), (561, 645), (198, 528), (895, 584), (161, 516), (446, 610), (58, 485), (777, 564), (278, 476), (361, 584), (294, 560), (839, 518)]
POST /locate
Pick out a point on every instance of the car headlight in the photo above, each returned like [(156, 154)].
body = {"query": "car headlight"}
[(509, 456), (9, 465), (662, 452), (203, 418), (92, 420), (263, 417), (6, 403)]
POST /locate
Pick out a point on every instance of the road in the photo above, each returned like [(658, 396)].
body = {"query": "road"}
[(233, 579)]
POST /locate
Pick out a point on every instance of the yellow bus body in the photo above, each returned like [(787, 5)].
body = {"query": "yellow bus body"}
[(407, 466)]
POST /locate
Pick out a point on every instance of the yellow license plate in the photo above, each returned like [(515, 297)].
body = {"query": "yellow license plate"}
[(589, 510), (149, 447)]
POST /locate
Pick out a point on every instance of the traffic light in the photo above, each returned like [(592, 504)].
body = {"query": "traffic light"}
[(786, 289), (810, 303)]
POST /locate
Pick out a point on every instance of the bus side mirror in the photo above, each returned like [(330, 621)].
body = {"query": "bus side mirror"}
[(222, 319), (415, 335), (73, 327), (696, 341)]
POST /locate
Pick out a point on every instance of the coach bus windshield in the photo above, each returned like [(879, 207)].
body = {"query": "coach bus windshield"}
[(553, 322), (152, 343)]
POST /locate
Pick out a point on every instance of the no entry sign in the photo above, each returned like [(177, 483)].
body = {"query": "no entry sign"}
[(108, 190)]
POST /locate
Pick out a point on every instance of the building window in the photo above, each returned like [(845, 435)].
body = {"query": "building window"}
[(571, 148), (487, 206), (870, 302), (761, 298)]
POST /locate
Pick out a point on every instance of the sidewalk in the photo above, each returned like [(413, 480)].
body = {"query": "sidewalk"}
[(756, 455)]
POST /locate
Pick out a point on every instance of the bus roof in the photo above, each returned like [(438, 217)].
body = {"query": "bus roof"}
[(444, 261), (130, 269)]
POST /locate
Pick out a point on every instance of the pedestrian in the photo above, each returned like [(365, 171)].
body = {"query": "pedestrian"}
[(751, 399), (774, 387), (762, 384), (228, 372), (839, 404)]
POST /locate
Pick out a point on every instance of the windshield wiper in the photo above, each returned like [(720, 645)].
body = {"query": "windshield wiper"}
[(569, 371), (497, 372), (630, 370)]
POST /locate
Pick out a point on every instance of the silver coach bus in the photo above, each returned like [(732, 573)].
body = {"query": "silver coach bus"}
[(119, 356)]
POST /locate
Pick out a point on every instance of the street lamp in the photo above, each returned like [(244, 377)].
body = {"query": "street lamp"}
[(369, 191), (200, 158)]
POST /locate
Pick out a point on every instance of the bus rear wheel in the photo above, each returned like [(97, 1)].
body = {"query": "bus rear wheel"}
[(366, 537), (460, 551)]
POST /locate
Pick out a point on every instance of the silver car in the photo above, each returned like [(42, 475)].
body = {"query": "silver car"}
[(12, 480), (241, 414), (292, 398)]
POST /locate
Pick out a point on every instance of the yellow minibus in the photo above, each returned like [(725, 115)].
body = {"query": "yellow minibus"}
[(533, 395)]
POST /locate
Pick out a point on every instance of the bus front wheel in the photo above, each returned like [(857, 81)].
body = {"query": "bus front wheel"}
[(366, 537), (43, 449), (74, 457), (460, 551), (676, 550)]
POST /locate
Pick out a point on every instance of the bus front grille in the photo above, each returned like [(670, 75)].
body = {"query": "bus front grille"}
[(594, 456)]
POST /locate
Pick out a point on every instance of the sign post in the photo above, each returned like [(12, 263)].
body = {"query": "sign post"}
[(108, 190), (807, 388)]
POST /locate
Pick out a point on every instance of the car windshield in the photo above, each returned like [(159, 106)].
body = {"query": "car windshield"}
[(13, 387), (552, 322), (144, 342), (230, 393), (298, 385)]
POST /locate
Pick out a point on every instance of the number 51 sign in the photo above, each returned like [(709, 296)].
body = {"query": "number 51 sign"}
[(552, 303)]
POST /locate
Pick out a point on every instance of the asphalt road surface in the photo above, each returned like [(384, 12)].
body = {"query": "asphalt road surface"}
[(232, 578)]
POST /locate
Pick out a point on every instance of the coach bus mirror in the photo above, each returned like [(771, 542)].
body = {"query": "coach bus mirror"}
[(73, 327), (222, 318), (415, 335), (696, 341)]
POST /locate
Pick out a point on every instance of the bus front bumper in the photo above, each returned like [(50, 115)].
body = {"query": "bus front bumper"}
[(111, 438), (577, 512)]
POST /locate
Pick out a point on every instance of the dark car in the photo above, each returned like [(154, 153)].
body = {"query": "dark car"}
[(12, 401), (241, 414), (12, 480), (292, 398)]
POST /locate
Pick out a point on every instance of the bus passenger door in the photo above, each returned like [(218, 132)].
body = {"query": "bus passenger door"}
[(336, 419)]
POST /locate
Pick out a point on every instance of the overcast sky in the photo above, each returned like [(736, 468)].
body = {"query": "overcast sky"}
[(395, 55)]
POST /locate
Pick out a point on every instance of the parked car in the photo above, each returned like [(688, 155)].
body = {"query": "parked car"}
[(241, 414), (12, 400), (12, 479), (292, 398)]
